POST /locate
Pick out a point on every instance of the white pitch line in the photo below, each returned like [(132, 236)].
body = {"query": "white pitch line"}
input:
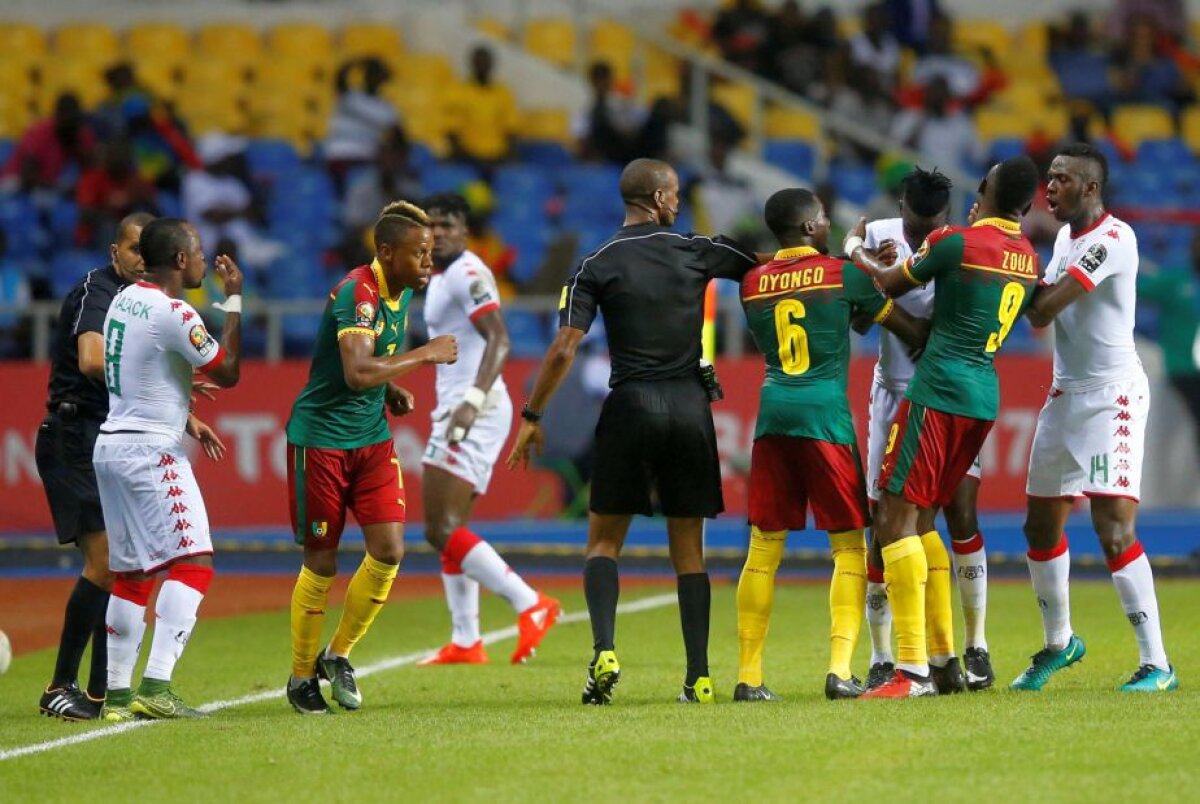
[(500, 634)]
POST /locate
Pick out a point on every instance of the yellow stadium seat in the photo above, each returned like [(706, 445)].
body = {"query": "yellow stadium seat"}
[(1030, 42), (206, 113), (157, 39), (213, 77), (738, 99), (1027, 97), (1191, 128), (18, 38), (1134, 123), (86, 40), (792, 124), (234, 42), (84, 78), (160, 76), (1052, 121), (371, 39), (494, 27), (553, 125), (285, 74), (300, 39), (660, 76), (552, 40), (996, 123), (423, 69), (974, 34)]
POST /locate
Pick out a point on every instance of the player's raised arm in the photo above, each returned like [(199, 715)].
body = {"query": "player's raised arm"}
[(363, 370), (893, 280), (227, 371)]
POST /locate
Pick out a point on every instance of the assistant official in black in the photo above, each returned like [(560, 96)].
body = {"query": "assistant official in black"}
[(655, 430)]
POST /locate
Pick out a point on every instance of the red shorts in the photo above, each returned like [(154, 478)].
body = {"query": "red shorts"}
[(928, 453), (788, 473), (324, 483)]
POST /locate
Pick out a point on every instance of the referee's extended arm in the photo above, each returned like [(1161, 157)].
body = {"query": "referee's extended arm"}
[(555, 366), (91, 355)]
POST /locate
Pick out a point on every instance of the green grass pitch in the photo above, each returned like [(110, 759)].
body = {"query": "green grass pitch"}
[(519, 733)]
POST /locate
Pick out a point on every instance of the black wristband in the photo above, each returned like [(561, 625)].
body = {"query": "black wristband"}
[(530, 415)]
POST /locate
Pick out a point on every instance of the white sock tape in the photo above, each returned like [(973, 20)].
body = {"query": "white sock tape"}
[(475, 397), (233, 304), (852, 244)]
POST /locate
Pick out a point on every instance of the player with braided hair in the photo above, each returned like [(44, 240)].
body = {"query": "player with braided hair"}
[(341, 455)]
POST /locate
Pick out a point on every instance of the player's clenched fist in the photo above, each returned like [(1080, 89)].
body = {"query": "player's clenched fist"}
[(442, 349), (231, 275)]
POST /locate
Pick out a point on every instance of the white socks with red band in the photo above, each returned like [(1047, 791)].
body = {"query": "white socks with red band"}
[(462, 597), (175, 611), (970, 568), (1050, 571), (126, 624), (1134, 581), (480, 561)]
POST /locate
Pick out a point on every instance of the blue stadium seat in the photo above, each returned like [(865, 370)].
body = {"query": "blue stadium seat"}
[(420, 157), (6, 149), (1169, 154), (271, 159), (299, 334), (1005, 148), (527, 331), (448, 177), (64, 217), (547, 154), (19, 220), (796, 156), (68, 267), (854, 183), (527, 183), (170, 205)]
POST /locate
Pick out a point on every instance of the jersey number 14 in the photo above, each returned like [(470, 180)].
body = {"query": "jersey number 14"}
[(114, 341)]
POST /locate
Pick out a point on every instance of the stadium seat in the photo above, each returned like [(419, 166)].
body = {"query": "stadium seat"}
[(1164, 154), (739, 100), (1134, 123), (161, 75), (205, 112), (791, 124), (84, 78), (1005, 148), (156, 39), (271, 159), (429, 70), (238, 45), (89, 40), (370, 39), (614, 43), (547, 125), (552, 40), (527, 332), (64, 216), (661, 79), (6, 149), (19, 220), (216, 76), (854, 183), (973, 34), (795, 156), (546, 154), (994, 124), (299, 39), (523, 183), (1190, 128), (494, 27), (68, 267), (21, 38), (448, 177)]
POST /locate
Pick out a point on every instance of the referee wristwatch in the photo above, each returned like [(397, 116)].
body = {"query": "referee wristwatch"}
[(530, 415)]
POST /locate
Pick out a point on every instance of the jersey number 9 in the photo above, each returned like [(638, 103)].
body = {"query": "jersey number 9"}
[(793, 340), (1010, 305), (114, 340)]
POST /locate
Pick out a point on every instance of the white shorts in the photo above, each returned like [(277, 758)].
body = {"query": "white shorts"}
[(473, 458), (153, 510), (1091, 443), (881, 413)]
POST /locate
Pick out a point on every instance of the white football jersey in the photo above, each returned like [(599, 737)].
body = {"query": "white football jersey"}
[(1093, 337), (895, 368), (455, 299), (152, 344)]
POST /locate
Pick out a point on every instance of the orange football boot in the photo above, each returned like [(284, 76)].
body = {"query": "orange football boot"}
[(454, 654), (532, 626)]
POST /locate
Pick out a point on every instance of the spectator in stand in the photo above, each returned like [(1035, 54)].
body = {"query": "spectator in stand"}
[(875, 47), (610, 129), (724, 195), (360, 116), (940, 130), (484, 115), (52, 152), (219, 203), (1144, 73), (804, 66), (1082, 67), (484, 241), (391, 176), (15, 291), (161, 148), (788, 30), (856, 92), (912, 20), (740, 32), (1176, 294), (1168, 17), (108, 192), (940, 61)]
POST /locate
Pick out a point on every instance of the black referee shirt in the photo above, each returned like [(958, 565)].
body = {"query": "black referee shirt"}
[(649, 283), (82, 311)]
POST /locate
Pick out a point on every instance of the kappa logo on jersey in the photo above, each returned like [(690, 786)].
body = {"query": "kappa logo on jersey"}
[(174, 491), (1122, 431), (319, 529), (175, 305), (169, 476), (364, 314), (179, 508), (1093, 258), (166, 460), (187, 316), (202, 342), (480, 291), (1114, 234), (1123, 401), (181, 525), (1123, 416)]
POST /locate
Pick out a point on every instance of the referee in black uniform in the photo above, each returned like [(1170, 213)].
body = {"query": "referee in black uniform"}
[(656, 428), (77, 407)]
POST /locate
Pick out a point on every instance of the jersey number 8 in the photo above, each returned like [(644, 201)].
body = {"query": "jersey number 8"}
[(793, 340), (1010, 305), (114, 340)]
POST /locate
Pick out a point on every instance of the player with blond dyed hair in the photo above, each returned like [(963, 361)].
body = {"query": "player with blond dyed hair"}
[(341, 456)]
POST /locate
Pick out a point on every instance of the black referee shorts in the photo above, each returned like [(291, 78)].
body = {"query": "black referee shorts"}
[(657, 436), (64, 460)]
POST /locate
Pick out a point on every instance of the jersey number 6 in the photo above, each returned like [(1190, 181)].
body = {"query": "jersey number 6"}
[(1010, 305), (793, 340)]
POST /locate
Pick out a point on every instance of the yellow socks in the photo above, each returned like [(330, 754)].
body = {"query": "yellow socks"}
[(847, 597), (939, 613), (308, 615), (365, 596), (755, 596), (906, 572)]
